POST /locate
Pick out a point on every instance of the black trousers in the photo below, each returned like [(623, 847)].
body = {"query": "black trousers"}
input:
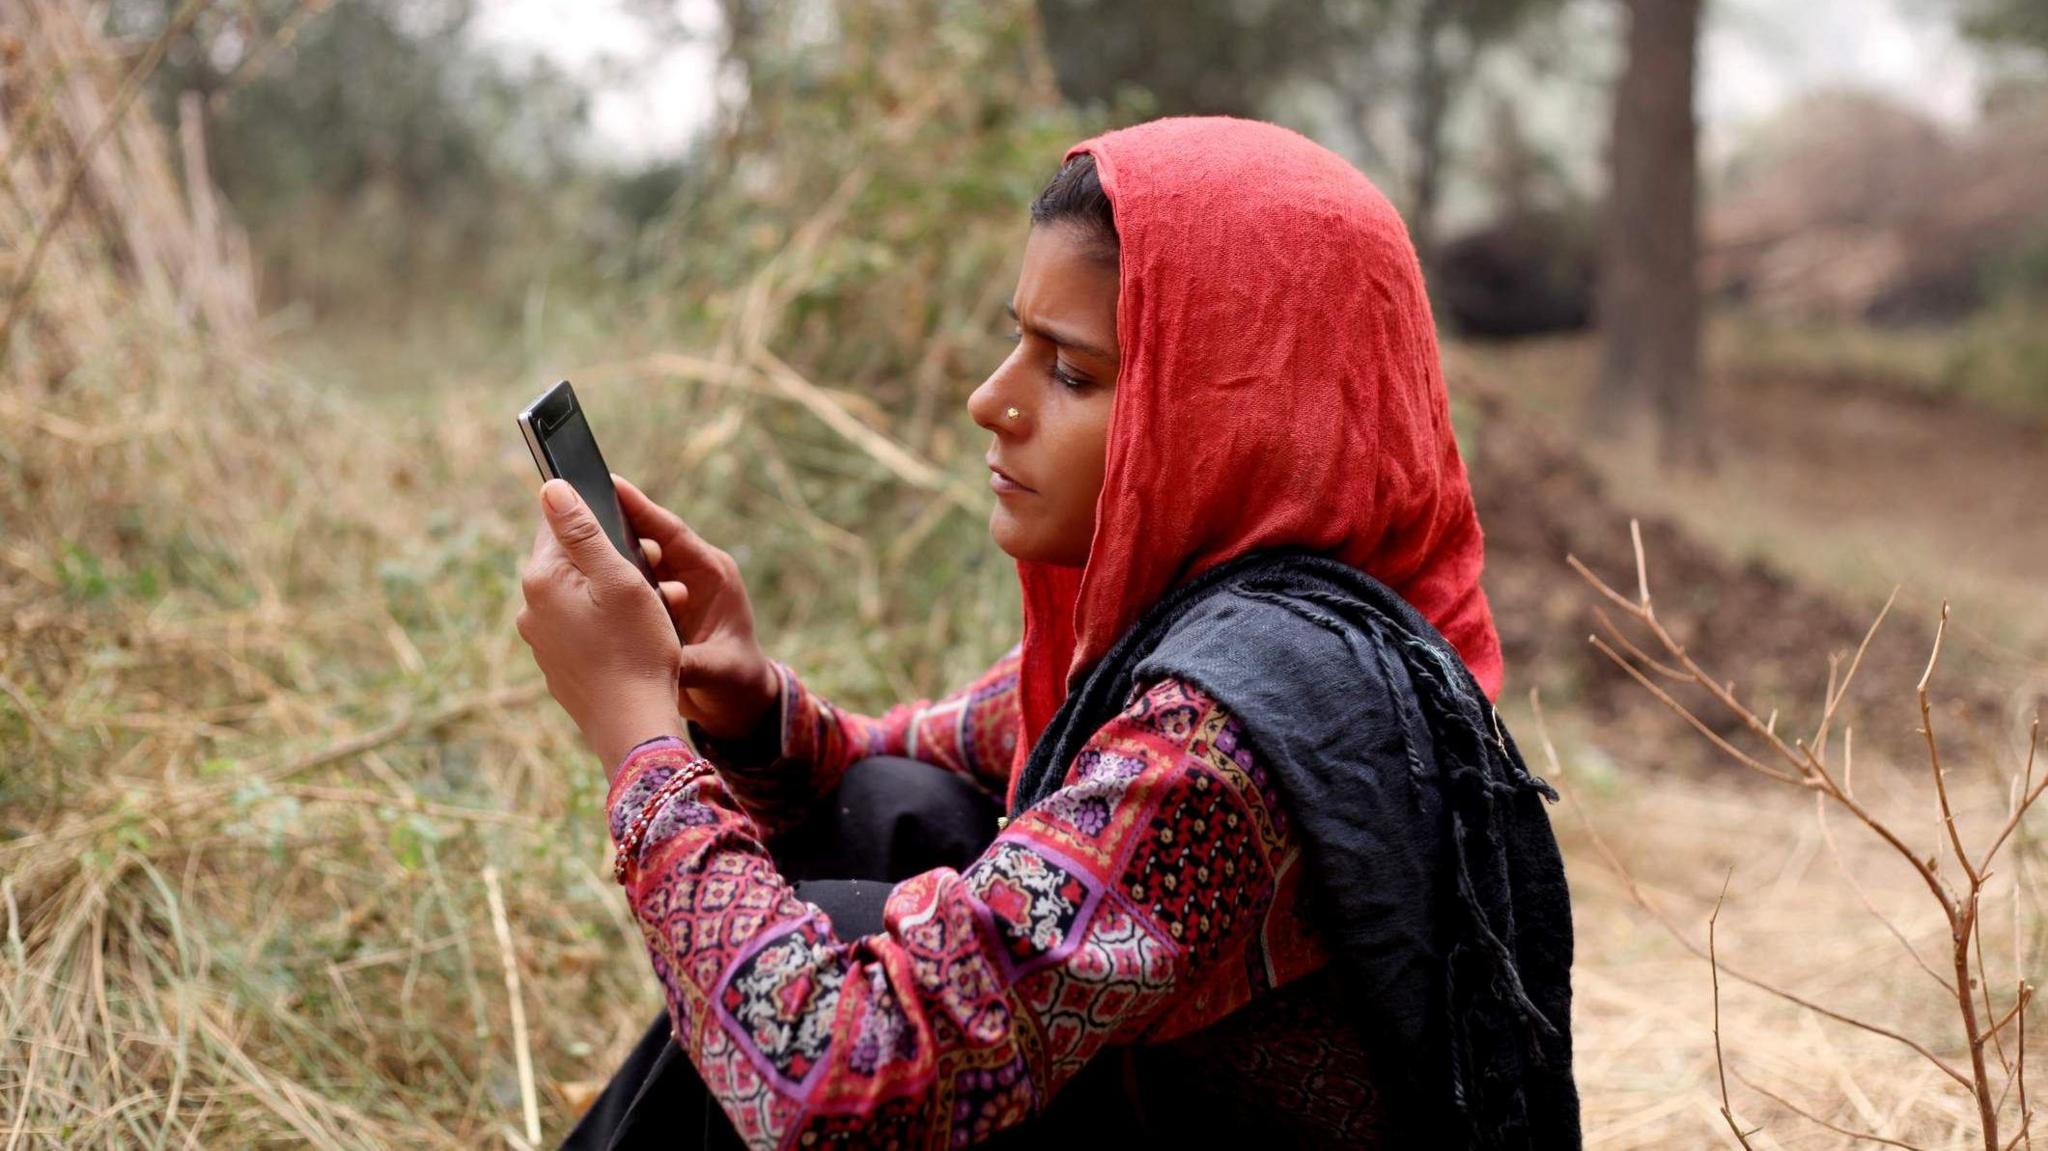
[(889, 819)]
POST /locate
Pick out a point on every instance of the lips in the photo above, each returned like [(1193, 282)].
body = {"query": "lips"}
[(1013, 480)]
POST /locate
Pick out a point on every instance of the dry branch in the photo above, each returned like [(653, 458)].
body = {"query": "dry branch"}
[(1806, 766), (1714, 973)]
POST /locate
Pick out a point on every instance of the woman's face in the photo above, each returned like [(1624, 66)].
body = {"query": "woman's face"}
[(1061, 379)]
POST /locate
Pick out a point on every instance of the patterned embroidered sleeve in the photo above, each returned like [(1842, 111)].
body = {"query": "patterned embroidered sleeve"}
[(1129, 906), (972, 731)]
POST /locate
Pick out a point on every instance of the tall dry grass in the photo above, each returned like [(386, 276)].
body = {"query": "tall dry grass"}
[(288, 830), (287, 827)]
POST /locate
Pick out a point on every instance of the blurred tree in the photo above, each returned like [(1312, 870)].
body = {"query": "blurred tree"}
[(1531, 268), (1202, 57), (368, 145), (1450, 37), (2021, 23), (1649, 294), (854, 222), (1234, 57), (875, 163)]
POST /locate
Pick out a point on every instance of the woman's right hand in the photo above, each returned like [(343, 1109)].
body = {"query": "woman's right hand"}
[(727, 685)]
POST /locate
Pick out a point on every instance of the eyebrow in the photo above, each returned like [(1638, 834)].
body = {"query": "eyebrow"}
[(1061, 337)]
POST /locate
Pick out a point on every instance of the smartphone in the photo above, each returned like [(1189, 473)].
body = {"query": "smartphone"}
[(563, 448)]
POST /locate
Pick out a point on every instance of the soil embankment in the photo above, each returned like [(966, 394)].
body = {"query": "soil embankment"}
[(1846, 463)]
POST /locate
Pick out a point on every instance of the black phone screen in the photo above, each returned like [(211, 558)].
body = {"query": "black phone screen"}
[(564, 436)]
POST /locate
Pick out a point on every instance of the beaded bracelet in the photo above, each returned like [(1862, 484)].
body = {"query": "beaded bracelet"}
[(629, 844)]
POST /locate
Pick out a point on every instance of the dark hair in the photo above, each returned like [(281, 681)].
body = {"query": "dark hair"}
[(1075, 196)]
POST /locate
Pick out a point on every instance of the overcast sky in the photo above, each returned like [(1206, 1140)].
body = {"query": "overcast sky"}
[(1761, 53), (648, 99), (1758, 54)]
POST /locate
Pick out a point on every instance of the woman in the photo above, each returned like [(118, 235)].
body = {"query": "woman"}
[(1271, 867)]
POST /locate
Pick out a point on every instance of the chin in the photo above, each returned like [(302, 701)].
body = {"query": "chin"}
[(1008, 536), (1021, 543)]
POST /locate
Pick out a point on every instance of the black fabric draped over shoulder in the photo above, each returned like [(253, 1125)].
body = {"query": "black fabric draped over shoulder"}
[(1436, 877)]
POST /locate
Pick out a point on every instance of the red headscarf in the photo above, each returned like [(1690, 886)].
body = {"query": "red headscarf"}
[(1279, 385)]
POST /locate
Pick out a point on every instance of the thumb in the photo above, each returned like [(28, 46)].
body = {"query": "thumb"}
[(577, 529)]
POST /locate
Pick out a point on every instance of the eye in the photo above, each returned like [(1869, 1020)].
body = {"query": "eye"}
[(1067, 379), (1016, 333)]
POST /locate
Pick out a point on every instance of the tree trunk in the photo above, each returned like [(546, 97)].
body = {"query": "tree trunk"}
[(1649, 297), (1432, 99)]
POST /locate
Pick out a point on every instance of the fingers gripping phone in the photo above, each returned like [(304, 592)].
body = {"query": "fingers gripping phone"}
[(563, 448)]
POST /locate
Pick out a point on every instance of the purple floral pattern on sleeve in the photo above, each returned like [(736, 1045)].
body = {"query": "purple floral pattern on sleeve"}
[(1151, 897)]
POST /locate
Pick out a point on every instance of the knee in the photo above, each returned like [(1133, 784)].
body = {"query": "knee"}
[(914, 791), (924, 816)]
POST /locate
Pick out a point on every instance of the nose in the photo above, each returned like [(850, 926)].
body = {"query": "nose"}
[(987, 403)]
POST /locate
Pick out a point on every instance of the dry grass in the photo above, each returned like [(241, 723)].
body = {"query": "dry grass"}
[(267, 735), (1942, 918), (1644, 1009), (287, 828)]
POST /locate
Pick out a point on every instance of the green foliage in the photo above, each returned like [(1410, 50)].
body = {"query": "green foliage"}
[(937, 119), (412, 836), (81, 574), (1995, 359), (1999, 358), (1207, 56), (2019, 272), (2021, 23), (373, 150), (860, 219), (1234, 58)]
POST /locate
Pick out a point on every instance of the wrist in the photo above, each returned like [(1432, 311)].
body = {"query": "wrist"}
[(755, 725), (767, 725), (614, 742), (764, 743)]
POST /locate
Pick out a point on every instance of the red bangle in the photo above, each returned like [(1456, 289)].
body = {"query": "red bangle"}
[(629, 843)]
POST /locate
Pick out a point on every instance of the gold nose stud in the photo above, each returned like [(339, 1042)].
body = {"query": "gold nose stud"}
[(1011, 413)]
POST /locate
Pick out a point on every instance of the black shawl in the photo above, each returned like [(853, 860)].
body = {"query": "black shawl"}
[(1435, 875)]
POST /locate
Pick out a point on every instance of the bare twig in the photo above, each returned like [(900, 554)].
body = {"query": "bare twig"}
[(1812, 773), (1712, 736), (1827, 834), (767, 374), (522, 1048), (1984, 985), (2027, 799), (1837, 1128), (1640, 899), (1635, 535), (1714, 973), (1836, 695), (888, 452), (1966, 922), (1641, 656), (1718, 691), (2020, 1064), (406, 723), (2011, 1013), (1808, 768), (1948, 815)]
